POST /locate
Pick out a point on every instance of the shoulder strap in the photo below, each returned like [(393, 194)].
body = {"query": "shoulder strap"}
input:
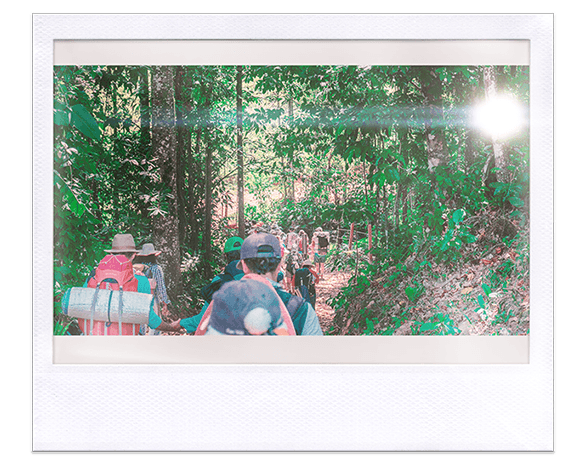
[(297, 309)]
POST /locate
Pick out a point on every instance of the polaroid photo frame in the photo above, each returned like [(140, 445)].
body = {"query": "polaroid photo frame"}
[(405, 383)]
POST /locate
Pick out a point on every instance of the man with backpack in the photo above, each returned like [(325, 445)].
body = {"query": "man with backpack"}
[(145, 263), (320, 245), (249, 306), (304, 280), (115, 272), (231, 272), (261, 254)]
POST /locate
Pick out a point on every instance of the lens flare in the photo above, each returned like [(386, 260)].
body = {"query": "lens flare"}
[(500, 117)]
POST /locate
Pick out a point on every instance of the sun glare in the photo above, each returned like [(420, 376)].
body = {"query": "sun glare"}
[(500, 117)]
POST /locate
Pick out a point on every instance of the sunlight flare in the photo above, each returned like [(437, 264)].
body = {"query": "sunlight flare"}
[(501, 117)]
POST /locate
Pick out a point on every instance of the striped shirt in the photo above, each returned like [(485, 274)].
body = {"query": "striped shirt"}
[(155, 271)]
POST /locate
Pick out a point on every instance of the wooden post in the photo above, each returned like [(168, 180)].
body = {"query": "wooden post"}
[(369, 239), (351, 236)]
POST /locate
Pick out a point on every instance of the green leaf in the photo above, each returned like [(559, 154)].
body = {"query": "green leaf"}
[(84, 121), (458, 216), (61, 117), (516, 202), (481, 301), (428, 327), (486, 289)]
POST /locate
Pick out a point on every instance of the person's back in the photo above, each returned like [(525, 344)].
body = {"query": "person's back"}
[(261, 254), (249, 306), (114, 272)]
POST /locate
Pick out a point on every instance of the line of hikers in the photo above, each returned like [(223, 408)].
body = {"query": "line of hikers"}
[(246, 299)]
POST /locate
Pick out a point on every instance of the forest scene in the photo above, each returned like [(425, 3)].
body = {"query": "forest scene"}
[(419, 174)]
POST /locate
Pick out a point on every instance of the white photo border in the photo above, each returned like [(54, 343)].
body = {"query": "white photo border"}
[(394, 403)]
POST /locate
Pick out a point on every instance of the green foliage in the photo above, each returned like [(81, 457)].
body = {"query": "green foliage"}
[(323, 146), (438, 324)]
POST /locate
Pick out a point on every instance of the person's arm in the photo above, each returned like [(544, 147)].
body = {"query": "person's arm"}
[(191, 324), (173, 326), (156, 323), (315, 275), (312, 326)]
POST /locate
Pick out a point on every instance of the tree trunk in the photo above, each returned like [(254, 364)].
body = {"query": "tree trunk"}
[(431, 88), (183, 133), (291, 154), (240, 153), (165, 225), (208, 213), (195, 195), (500, 156), (145, 126)]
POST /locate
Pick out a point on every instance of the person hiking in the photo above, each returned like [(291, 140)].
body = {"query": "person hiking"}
[(303, 245), (261, 255), (145, 262), (304, 280), (115, 271), (320, 246), (292, 240), (230, 273), (249, 306), (291, 265)]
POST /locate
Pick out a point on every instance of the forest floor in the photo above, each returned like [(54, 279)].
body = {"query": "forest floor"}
[(488, 295), (328, 288)]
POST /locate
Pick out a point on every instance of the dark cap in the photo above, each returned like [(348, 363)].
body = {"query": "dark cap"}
[(245, 307), (260, 245)]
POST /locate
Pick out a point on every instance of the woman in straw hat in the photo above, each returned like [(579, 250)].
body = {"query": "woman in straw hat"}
[(123, 251), (146, 262)]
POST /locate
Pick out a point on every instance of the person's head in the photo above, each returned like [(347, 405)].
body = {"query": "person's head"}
[(260, 253), (318, 229), (123, 244), (232, 248), (246, 307), (148, 254)]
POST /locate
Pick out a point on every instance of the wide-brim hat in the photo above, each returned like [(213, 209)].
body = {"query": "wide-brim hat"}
[(148, 250), (122, 242), (307, 263)]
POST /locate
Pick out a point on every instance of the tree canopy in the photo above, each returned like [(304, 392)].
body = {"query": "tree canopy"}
[(413, 153)]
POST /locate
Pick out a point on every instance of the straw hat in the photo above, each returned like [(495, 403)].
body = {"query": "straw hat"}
[(148, 250), (122, 243), (307, 263)]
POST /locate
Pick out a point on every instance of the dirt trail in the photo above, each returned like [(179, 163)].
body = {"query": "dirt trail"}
[(329, 287)]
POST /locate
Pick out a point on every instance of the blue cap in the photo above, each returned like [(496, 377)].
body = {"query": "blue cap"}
[(260, 245), (245, 307)]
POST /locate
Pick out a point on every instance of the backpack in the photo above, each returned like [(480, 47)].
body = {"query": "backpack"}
[(297, 308), (303, 277), (323, 242), (230, 273), (114, 272)]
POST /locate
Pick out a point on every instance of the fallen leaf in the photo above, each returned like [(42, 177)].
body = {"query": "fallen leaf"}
[(467, 290)]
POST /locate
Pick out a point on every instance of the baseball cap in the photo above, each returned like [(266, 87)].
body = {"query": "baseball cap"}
[(260, 245), (233, 244), (245, 307)]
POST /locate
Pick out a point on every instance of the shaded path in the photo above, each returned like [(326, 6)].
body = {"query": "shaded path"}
[(326, 289)]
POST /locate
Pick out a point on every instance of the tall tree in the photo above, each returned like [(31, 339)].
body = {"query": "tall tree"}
[(499, 150), (240, 153), (431, 87), (164, 146)]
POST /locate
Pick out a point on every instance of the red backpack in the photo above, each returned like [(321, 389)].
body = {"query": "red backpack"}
[(114, 272)]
